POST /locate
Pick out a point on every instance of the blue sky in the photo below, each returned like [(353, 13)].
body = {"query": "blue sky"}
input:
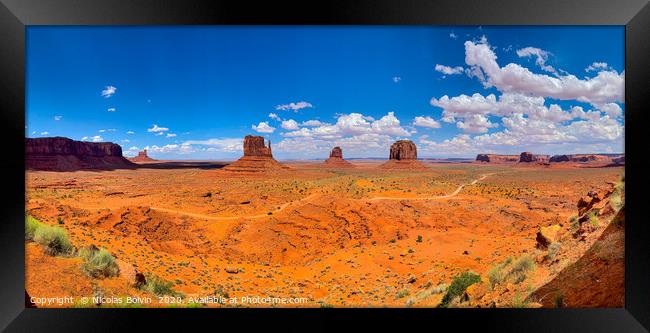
[(194, 92)]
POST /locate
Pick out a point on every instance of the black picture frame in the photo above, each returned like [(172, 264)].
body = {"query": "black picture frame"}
[(15, 15)]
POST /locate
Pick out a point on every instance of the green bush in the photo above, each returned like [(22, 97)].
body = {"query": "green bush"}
[(98, 263), (458, 286), (31, 225), (54, 239), (158, 286)]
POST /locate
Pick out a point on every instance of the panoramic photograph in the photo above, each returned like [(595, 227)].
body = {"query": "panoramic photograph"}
[(325, 166)]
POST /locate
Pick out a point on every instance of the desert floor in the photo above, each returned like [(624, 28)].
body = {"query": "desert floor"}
[(359, 237)]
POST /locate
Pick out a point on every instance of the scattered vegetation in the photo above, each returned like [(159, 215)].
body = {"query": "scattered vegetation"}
[(516, 270), (419, 239), (403, 293), (496, 274), (458, 286), (31, 224), (98, 263), (616, 199), (519, 302), (159, 287), (54, 239), (593, 219), (553, 250)]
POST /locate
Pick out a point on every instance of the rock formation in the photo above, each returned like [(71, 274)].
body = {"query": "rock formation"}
[(254, 146), (403, 155), (403, 150), (142, 157), (63, 154), (588, 158), (559, 158), (495, 158), (258, 157), (336, 159), (527, 157)]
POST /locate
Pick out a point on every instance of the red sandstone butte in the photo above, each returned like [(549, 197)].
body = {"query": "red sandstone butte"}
[(258, 157), (496, 158), (63, 154), (336, 159), (142, 157), (527, 157), (403, 155)]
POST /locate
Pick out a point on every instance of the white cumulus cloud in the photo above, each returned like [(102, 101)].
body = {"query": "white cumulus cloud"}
[(263, 127)]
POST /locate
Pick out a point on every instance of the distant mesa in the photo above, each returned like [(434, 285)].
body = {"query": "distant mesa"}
[(494, 158), (403, 155), (587, 158), (528, 157), (142, 157), (336, 159), (64, 154), (258, 157)]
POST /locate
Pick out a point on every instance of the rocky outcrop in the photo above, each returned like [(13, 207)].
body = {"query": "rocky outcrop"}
[(528, 157), (403, 150), (559, 158), (403, 155), (583, 158), (619, 160), (63, 154), (495, 158), (254, 146), (142, 157), (258, 157), (547, 235), (336, 159)]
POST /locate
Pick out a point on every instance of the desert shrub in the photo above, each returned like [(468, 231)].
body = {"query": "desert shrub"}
[(54, 239), (158, 286), (593, 219), (553, 250), (574, 222), (519, 302), (458, 286), (98, 263), (616, 199), (523, 264), (419, 239), (558, 300), (497, 273), (31, 225), (520, 267), (403, 293), (439, 289)]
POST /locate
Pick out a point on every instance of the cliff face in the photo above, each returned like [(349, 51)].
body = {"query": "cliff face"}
[(65, 146), (403, 150), (63, 154), (495, 158), (254, 146), (527, 157), (403, 155)]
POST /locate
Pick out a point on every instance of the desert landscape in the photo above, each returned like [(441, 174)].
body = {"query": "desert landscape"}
[(325, 166), (402, 232)]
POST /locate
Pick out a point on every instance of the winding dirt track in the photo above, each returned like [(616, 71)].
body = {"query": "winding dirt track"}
[(307, 198), (437, 197)]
